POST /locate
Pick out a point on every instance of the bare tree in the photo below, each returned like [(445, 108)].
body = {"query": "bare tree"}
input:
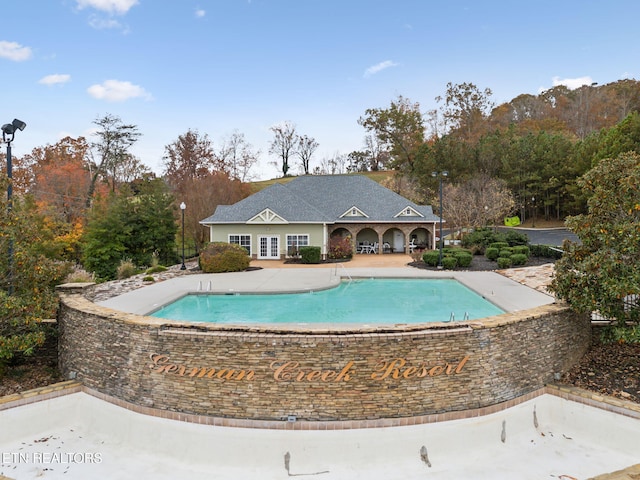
[(284, 143), (478, 202), (238, 156), (305, 149)]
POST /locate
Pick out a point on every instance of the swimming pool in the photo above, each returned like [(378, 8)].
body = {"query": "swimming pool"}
[(362, 301)]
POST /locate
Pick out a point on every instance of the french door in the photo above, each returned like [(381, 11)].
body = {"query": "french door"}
[(269, 247)]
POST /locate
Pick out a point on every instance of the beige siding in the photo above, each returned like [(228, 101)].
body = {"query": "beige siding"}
[(220, 233)]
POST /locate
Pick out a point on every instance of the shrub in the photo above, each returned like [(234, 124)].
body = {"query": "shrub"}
[(504, 262), (218, 257), (148, 278), (481, 238), (464, 259), (545, 251), (126, 269), (518, 259), (505, 252), (340, 247), (79, 275), (431, 258), (514, 238), (492, 253), (449, 263), (310, 254), (499, 245), (521, 249)]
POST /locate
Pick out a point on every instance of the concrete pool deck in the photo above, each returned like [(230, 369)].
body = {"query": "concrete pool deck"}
[(78, 436), (507, 294)]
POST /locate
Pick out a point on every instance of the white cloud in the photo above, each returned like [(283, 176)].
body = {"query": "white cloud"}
[(572, 83), (55, 79), (379, 67), (14, 51), (119, 7), (117, 91), (100, 23), (200, 13)]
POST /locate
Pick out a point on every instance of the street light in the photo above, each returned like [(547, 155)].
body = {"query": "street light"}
[(440, 175), (183, 207), (8, 132), (533, 221)]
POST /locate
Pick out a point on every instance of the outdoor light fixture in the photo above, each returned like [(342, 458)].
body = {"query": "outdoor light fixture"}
[(183, 207), (8, 132), (440, 175)]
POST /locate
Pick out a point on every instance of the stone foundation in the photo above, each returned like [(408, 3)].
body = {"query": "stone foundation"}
[(257, 373)]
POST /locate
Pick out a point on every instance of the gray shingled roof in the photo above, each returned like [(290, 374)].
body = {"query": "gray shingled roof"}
[(323, 199)]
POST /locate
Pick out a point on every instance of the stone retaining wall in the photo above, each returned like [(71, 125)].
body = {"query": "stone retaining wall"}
[(316, 375)]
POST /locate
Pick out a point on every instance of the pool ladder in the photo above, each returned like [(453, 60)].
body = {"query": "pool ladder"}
[(452, 318), (200, 286), (341, 265)]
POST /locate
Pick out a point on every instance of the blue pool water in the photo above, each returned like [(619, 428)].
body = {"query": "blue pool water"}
[(370, 301)]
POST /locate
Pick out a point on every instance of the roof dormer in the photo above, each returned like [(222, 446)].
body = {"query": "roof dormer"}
[(354, 212), (408, 211), (267, 216)]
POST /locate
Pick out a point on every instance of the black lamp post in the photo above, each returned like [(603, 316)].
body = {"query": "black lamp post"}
[(533, 221), (440, 175), (183, 207), (8, 132)]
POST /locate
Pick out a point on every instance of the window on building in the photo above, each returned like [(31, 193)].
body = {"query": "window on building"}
[(242, 240), (294, 242)]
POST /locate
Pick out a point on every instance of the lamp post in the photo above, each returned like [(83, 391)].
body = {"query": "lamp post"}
[(183, 207), (8, 132), (533, 221), (440, 175)]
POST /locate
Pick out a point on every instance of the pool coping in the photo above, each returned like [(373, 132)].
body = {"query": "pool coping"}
[(503, 292)]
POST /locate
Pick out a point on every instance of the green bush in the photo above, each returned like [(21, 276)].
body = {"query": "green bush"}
[(514, 238), (521, 249), (518, 259), (431, 258), (218, 257), (449, 263), (499, 245), (505, 252), (504, 262), (310, 254), (148, 278), (481, 238), (126, 269), (492, 253), (464, 259), (545, 251)]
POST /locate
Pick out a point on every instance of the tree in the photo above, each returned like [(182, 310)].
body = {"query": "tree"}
[(202, 196), (476, 202), (602, 272), (465, 109), (400, 128), (189, 157), (114, 140), (33, 277), (238, 156), (306, 146), (132, 224), (284, 144)]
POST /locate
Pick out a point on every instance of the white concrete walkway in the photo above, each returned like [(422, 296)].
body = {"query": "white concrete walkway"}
[(79, 437)]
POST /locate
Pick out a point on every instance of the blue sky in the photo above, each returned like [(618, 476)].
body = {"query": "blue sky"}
[(224, 65)]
